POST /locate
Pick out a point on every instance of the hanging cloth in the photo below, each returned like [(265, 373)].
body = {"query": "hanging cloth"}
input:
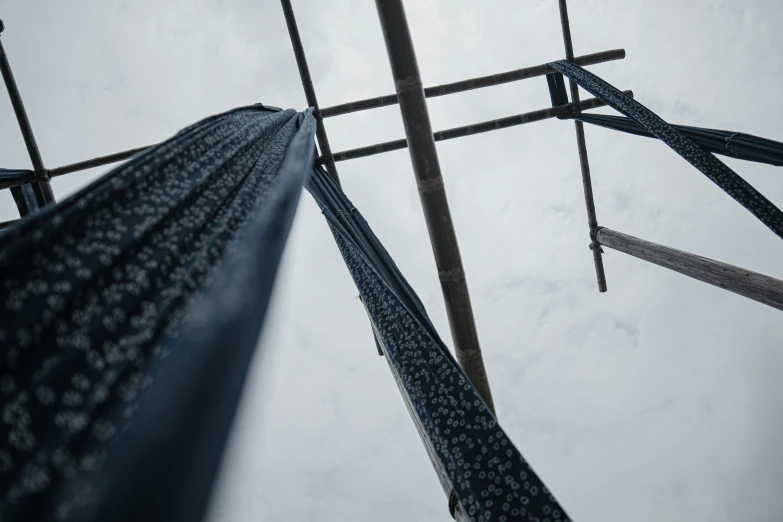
[(728, 180), (727, 143), (472, 454), (128, 316), (28, 197)]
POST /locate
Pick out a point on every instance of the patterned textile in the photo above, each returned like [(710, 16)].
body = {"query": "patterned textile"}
[(728, 180), (471, 452), (727, 143), (142, 298)]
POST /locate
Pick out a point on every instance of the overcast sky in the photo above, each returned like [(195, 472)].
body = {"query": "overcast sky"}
[(659, 400)]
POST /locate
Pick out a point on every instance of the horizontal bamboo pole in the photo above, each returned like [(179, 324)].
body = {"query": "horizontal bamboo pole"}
[(96, 162), (472, 83), (764, 289), (554, 112), (76, 167), (467, 130)]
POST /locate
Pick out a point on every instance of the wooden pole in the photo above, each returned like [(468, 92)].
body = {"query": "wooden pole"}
[(307, 84), (472, 83), (456, 132), (475, 128), (759, 287), (96, 162), (76, 167), (584, 165), (24, 125), (426, 167)]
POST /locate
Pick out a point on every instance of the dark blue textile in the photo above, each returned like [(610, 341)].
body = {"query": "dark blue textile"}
[(728, 180), (490, 477), (140, 299), (28, 197), (727, 143), (11, 174)]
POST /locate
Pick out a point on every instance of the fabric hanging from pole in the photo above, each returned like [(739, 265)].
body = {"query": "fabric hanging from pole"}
[(28, 198), (488, 474), (727, 143), (129, 315), (720, 174)]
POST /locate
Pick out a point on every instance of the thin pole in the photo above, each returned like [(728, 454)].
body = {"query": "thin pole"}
[(759, 287), (426, 167), (456, 132), (24, 125), (592, 219), (475, 128), (307, 84), (96, 162), (472, 83)]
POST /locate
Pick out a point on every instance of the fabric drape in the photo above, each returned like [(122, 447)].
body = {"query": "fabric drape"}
[(727, 143), (720, 174), (129, 314), (470, 451), (28, 197)]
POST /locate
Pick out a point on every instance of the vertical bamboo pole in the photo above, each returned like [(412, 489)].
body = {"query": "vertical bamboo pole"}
[(307, 84), (426, 167), (592, 219), (41, 175)]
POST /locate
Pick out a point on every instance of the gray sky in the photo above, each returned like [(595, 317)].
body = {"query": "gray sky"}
[(659, 400)]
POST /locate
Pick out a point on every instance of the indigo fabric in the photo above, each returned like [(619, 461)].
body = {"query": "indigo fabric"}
[(727, 143), (720, 174), (473, 454), (28, 197), (129, 314)]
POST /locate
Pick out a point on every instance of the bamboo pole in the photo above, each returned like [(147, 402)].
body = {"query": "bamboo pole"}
[(472, 83), (584, 165), (467, 130), (24, 125), (96, 162), (426, 167), (76, 167), (307, 84), (476, 128), (764, 289)]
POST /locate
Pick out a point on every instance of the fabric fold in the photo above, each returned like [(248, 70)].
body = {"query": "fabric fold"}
[(130, 312), (471, 453), (719, 173), (727, 143)]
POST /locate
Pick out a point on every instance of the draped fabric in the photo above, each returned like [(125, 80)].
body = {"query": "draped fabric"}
[(129, 314), (735, 144), (720, 174), (471, 452), (28, 197)]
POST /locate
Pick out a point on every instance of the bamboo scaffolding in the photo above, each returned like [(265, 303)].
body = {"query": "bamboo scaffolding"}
[(307, 84), (584, 164), (24, 126), (426, 167), (472, 83), (468, 130)]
